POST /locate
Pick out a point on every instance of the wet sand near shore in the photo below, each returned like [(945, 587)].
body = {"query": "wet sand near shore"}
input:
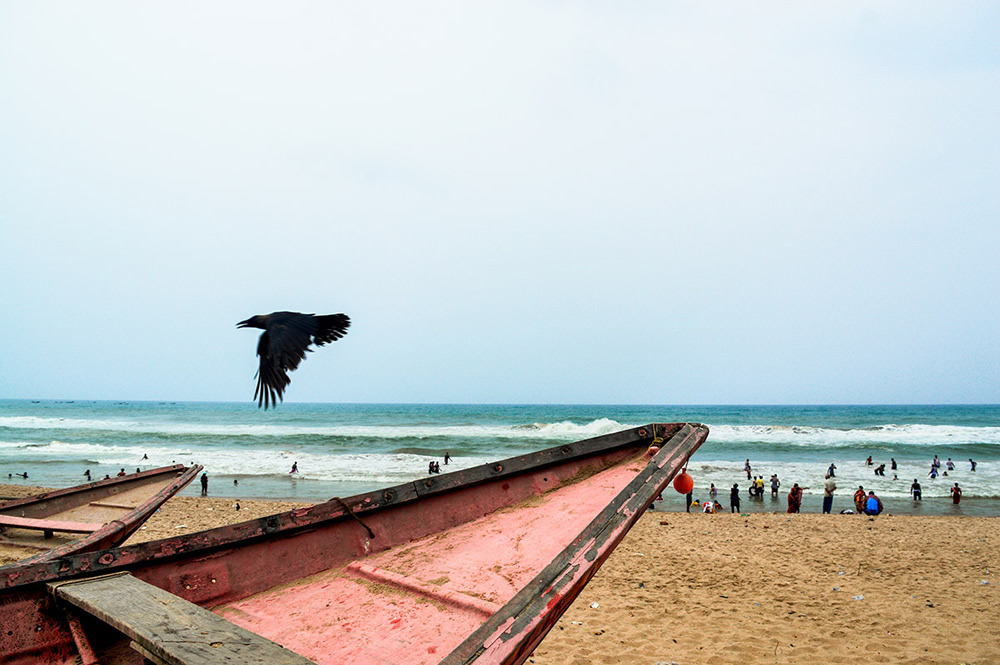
[(755, 588)]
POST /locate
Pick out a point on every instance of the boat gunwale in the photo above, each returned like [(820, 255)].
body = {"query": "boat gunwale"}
[(85, 488)]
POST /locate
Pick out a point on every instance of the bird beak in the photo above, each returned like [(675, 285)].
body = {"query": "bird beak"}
[(243, 324)]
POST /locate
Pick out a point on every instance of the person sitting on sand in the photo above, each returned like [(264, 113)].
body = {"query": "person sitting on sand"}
[(956, 494), (873, 504), (795, 499), (859, 499)]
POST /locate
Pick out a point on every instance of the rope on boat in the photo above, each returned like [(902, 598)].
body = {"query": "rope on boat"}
[(371, 534)]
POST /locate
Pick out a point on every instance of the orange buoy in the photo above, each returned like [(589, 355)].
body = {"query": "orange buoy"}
[(683, 482)]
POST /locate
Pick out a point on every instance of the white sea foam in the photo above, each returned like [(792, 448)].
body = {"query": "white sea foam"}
[(563, 430), (910, 435)]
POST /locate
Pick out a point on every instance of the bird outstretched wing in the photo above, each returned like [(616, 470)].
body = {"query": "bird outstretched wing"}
[(330, 328), (284, 344)]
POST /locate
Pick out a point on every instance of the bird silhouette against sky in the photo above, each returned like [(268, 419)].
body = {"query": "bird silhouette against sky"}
[(283, 345)]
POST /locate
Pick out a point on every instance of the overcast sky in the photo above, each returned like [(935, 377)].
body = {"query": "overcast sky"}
[(554, 202)]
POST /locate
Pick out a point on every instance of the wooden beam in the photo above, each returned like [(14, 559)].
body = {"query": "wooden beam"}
[(170, 628), (42, 524)]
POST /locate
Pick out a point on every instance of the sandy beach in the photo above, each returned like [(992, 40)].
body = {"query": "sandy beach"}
[(755, 588)]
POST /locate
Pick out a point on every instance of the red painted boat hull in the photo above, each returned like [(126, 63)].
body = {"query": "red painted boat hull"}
[(473, 566)]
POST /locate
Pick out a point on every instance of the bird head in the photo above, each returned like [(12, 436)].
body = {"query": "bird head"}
[(257, 321)]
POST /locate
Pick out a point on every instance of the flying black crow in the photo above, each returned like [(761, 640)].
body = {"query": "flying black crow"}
[(283, 345)]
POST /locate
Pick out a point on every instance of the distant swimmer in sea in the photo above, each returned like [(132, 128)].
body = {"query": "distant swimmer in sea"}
[(869, 460), (283, 345), (973, 464), (447, 457), (832, 471), (295, 467), (145, 456), (87, 473), (915, 490), (121, 473)]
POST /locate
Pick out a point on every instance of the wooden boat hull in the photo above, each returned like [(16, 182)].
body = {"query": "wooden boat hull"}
[(473, 566), (106, 511)]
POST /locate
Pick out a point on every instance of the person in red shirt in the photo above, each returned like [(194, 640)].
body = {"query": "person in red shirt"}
[(795, 499), (956, 494)]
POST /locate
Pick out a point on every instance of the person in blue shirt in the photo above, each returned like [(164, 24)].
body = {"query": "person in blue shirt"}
[(873, 504)]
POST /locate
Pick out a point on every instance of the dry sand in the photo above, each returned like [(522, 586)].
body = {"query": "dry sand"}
[(763, 588)]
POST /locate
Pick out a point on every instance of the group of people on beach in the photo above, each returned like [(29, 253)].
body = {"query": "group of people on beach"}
[(866, 502)]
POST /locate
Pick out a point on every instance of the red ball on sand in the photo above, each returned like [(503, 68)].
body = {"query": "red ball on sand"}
[(683, 482)]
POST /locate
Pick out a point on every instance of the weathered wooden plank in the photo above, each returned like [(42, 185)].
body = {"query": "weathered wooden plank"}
[(49, 525), (175, 631)]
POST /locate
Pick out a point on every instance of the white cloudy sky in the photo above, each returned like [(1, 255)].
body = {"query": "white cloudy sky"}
[(646, 202)]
